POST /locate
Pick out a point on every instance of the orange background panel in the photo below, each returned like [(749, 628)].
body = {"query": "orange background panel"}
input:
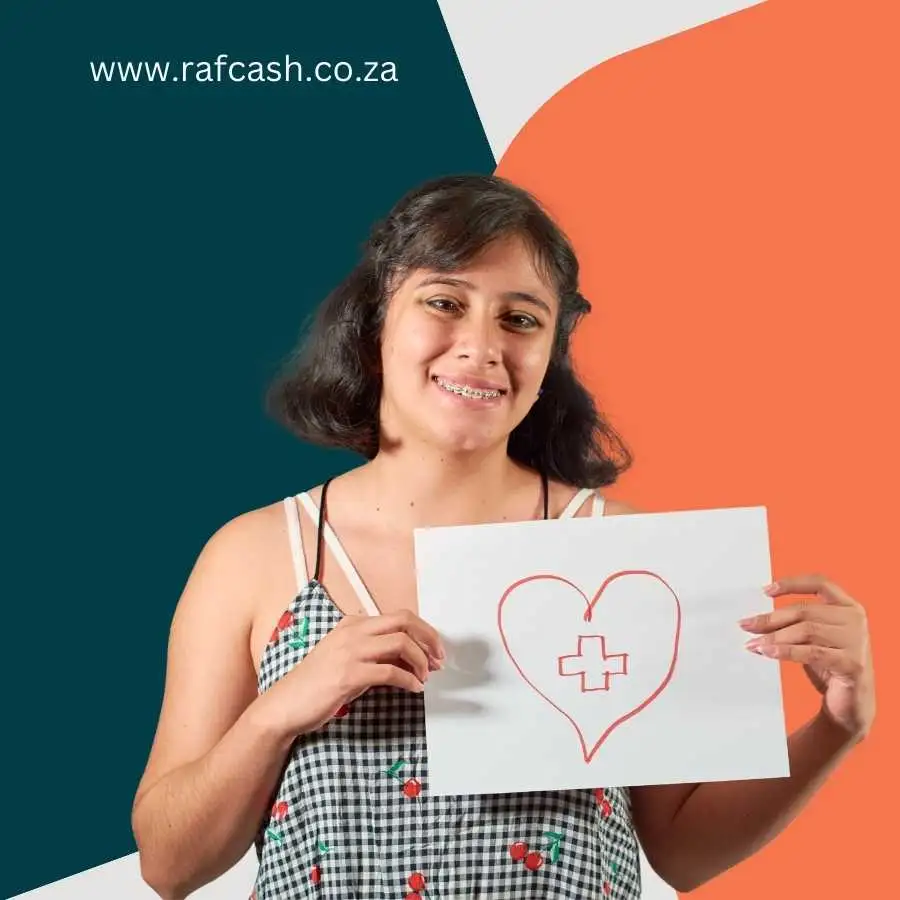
[(733, 194)]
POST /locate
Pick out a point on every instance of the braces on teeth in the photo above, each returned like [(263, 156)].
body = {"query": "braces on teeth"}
[(475, 393)]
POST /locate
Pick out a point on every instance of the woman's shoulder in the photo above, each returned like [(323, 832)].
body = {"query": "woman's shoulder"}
[(250, 532), (250, 547), (242, 565), (619, 508)]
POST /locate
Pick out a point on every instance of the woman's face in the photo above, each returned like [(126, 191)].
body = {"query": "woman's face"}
[(464, 354)]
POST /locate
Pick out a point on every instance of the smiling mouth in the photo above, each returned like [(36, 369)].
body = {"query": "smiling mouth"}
[(462, 390)]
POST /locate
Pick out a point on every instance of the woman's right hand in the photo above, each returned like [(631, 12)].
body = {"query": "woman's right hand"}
[(397, 650)]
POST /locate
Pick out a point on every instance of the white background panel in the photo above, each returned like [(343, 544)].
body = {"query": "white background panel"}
[(121, 880), (516, 54)]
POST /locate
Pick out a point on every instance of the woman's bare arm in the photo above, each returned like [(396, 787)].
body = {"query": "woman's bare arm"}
[(217, 753), (692, 833)]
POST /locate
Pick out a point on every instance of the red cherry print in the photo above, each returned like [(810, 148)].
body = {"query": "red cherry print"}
[(416, 881), (518, 850), (599, 795), (342, 711), (534, 861), (273, 639), (412, 788), (605, 808), (315, 874), (607, 888), (279, 810), (286, 620)]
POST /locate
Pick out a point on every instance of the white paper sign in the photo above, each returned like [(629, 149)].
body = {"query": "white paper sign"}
[(599, 652)]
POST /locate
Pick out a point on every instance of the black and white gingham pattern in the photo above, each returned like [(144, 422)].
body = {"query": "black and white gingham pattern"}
[(350, 820)]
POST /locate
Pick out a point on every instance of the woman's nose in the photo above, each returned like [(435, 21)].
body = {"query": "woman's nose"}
[(479, 340)]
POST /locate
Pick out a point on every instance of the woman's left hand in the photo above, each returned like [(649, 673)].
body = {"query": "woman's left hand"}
[(830, 636)]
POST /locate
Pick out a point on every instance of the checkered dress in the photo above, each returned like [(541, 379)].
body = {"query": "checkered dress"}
[(353, 817)]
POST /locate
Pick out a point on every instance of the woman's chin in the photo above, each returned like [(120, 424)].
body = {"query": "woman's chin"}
[(452, 435), (464, 441)]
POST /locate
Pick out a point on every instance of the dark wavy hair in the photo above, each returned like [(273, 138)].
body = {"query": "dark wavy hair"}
[(329, 392)]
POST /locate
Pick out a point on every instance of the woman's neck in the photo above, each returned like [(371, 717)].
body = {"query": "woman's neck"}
[(419, 488)]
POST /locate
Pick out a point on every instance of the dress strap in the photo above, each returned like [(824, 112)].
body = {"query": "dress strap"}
[(576, 503), (295, 536), (326, 533), (599, 505), (545, 487), (320, 530)]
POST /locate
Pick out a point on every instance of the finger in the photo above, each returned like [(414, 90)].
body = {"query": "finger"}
[(809, 611), (418, 629), (828, 659), (386, 675), (805, 632), (351, 621), (812, 584), (398, 646)]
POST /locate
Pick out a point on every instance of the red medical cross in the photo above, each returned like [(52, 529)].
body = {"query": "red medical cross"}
[(593, 663)]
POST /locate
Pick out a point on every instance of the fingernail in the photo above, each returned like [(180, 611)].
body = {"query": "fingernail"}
[(752, 645), (767, 650), (771, 588), (746, 623)]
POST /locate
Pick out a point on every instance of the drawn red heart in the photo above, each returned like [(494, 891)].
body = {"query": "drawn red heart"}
[(542, 624)]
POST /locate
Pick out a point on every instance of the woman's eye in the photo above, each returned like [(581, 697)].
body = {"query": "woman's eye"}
[(522, 321), (445, 304)]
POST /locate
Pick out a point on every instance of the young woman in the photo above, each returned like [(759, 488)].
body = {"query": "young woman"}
[(444, 360)]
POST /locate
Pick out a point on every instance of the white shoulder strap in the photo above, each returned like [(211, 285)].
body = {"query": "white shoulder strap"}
[(576, 503), (343, 560), (599, 505), (292, 512)]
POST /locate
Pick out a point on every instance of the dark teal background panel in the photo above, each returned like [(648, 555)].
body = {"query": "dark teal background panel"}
[(162, 247)]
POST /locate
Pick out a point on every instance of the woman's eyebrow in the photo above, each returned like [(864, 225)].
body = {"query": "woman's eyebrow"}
[(525, 297), (446, 279), (522, 296)]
